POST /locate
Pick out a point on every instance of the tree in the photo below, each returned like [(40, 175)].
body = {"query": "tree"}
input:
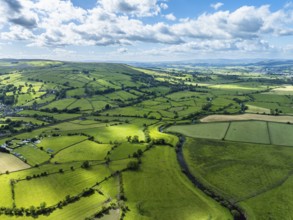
[(135, 139), (85, 164), (133, 165), (139, 152), (128, 138), (107, 107)]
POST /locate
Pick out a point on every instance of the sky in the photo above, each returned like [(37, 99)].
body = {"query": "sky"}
[(146, 30)]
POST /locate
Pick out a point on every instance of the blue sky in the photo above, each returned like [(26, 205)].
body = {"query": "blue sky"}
[(145, 30)]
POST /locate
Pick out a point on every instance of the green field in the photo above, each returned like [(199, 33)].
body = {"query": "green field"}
[(86, 150), (160, 191), (32, 154), (281, 134), (244, 173), (242, 131), (210, 131), (56, 187), (56, 144), (251, 131)]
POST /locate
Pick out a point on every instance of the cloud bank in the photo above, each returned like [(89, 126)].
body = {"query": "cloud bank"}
[(59, 23)]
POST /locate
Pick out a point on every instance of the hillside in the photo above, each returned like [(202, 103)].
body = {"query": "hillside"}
[(112, 141)]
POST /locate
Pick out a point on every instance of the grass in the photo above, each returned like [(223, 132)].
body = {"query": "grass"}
[(26, 120), (208, 130), (155, 134), (60, 104), (159, 190), (279, 205), (114, 133), (11, 163), (83, 104), (61, 116), (86, 150), (124, 150), (32, 154), (256, 176), (281, 134), (241, 172), (255, 109), (58, 143), (81, 209), (248, 131), (77, 125), (56, 187)]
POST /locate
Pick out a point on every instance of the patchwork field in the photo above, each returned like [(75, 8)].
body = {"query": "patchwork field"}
[(240, 131), (102, 141)]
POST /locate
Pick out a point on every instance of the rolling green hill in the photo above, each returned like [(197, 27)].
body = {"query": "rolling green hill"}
[(99, 140)]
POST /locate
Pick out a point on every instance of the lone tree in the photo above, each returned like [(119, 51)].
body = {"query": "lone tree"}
[(85, 165), (133, 165)]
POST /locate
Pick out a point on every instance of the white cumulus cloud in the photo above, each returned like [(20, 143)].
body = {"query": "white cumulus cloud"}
[(217, 5), (170, 17)]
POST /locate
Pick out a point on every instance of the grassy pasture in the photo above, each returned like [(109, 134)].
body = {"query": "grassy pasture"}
[(32, 154), (155, 134), (83, 104), (244, 173), (279, 206), (209, 130), (11, 163), (281, 134), (125, 149), (255, 109), (81, 209), (58, 143), (248, 131), (56, 187), (77, 125), (86, 150), (24, 98), (159, 190), (118, 133), (61, 116), (99, 105), (284, 90), (128, 111), (60, 104), (76, 92)]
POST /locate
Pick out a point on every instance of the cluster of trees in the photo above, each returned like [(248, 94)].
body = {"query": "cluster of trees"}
[(134, 139), (14, 126), (7, 99), (36, 176), (276, 111), (133, 165), (56, 110), (90, 91)]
